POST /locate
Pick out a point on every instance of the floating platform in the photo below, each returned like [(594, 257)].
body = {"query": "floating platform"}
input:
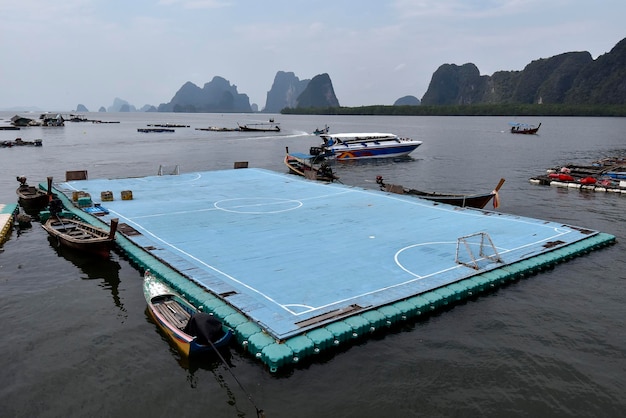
[(605, 176), (147, 130), (298, 267), (7, 214), (603, 186)]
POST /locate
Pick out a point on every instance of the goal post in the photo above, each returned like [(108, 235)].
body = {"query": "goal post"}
[(168, 170), (476, 249)]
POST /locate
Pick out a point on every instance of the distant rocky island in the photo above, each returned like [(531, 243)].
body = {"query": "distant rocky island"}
[(571, 78), (407, 101), (220, 96), (119, 105), (285, 91), (216, 96)]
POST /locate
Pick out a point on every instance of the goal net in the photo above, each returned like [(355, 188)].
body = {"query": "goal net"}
[(168, 170), (476, 251)]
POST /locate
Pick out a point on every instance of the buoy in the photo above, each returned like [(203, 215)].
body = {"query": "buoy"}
[(588, 180)]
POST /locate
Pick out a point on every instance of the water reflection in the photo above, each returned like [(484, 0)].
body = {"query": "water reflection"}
[(207, 361), (220, 366), (94, 268), (23, 221), (215, 363)]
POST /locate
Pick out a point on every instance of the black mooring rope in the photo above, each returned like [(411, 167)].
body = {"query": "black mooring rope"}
[(259, 412)]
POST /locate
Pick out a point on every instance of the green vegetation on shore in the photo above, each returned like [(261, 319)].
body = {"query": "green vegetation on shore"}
[(467, 110)]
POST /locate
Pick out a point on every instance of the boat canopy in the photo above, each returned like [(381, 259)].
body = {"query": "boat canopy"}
[(521, 125), (302, 155), (361, 136)]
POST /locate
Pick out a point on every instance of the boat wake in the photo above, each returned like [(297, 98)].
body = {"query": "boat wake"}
[(277, 136)]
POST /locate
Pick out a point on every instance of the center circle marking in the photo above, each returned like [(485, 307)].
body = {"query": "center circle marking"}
[(257, 205)]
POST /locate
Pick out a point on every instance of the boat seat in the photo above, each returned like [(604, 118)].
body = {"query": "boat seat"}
[(174, 313), (64, 227), (78, 234)]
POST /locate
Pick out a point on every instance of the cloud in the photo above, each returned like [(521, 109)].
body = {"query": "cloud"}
[(196, 4), (399, 67), (374, 52)]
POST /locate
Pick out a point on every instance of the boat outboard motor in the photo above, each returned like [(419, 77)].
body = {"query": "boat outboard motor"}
[(315, 150), (325, 170), (55, 207), (381, 182)]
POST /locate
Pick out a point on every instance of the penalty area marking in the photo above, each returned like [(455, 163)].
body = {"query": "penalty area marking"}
[(420, 277)]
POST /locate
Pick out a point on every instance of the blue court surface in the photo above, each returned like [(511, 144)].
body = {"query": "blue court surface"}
[(293, 254)]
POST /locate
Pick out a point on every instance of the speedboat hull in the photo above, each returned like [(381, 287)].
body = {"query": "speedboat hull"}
[(351, 146), (383, 151)]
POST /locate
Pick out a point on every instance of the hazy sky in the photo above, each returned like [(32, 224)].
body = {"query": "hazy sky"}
[(57, 54)]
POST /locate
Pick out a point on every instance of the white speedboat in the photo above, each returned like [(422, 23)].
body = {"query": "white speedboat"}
[(349, 146)]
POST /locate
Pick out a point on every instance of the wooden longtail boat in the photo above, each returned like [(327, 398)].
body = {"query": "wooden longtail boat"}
[(322, 131), (478, 201), (305, 165), (19, 142), (148, 130), (217, 129), (81, 236), (523, 128), (192, 331), (260, 127), (31, 198)]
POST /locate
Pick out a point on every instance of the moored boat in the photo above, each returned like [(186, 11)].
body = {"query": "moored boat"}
[(350, 146), (168, 125), (80, 235), (217, 129), (306, 165), (32, 199), (478, 201), (192, 331), (158, 130), (19, 142)]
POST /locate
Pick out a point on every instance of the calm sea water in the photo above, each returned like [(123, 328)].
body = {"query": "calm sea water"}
[(77, 341)]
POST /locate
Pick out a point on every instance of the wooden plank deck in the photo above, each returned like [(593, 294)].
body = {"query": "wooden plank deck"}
[(173, 312)]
